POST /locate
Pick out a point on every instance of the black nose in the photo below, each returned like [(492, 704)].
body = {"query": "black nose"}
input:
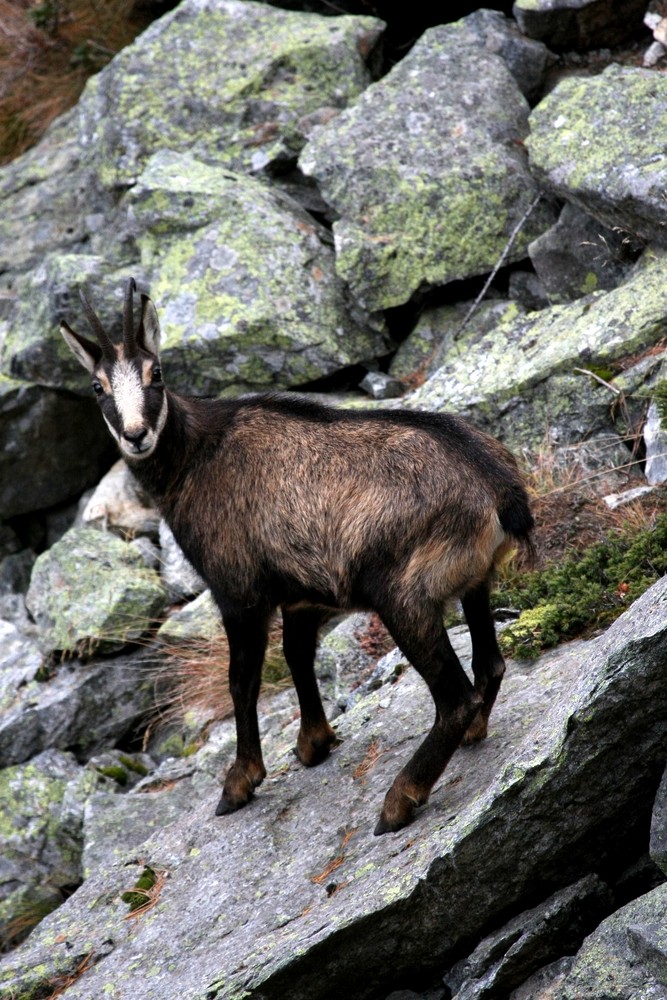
[(135, 437)]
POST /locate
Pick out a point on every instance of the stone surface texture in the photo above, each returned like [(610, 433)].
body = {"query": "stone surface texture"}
[(552, 774), (440, 201)]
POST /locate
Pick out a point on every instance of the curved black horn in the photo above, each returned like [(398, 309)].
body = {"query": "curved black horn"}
[(128, 315), (107, 347)]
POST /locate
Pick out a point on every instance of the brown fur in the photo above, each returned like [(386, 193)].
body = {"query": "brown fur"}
[(294, 494)]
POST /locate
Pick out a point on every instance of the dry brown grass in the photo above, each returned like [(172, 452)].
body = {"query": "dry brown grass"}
[(338, 859), (567, 503), (364, 768), (17, 929), (150, 895), (192, 681), (64, 982), (48, 49)]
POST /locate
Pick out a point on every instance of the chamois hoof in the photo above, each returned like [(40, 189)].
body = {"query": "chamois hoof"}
[(225, 806), (399, 807), (240, 785), (476, 731), (383, 825), (313, 750)]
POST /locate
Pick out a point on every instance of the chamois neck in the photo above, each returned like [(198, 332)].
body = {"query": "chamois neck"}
[(180, 441)]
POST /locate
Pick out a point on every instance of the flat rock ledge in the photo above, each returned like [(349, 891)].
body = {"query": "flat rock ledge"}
[(293, 896)]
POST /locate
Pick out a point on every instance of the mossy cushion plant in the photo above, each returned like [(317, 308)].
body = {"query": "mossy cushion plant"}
[(584, 592)]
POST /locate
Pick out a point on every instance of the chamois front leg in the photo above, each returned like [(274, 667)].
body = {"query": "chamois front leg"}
[(488, 664), (247, 634), (316, 737)]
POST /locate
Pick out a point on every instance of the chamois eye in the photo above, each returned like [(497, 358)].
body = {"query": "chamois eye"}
[(97, 388), (156, 374)]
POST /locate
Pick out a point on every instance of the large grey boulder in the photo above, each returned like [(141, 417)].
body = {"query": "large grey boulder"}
[(46, 201), (41, 805), (114, 823), (20, 660), (225, 80), (437, 328), (294, 896), (92, 592), (625, 958), (575, 137), (243, 306), (427, 172), (89, 706), (529, 941), (527, 59), (244, 281), (531, 369), (33, 348)]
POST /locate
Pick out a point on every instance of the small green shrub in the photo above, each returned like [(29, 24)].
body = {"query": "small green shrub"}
[(133, 765), (583, 592), (115, 772), (137, 897)]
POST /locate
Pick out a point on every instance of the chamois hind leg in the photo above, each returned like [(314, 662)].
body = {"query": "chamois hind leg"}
[(247, 634), (423, 639), (300, 628), (488, 664)]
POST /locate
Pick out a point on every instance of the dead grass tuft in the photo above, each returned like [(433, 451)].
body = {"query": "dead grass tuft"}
[(371, 758), (48, 49), (64, 982), (337, 860), (145, 898), (191, 681), (567, 504), (17, 929)]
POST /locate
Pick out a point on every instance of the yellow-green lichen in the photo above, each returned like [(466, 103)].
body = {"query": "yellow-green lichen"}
[(519, 355), (91, 591), (252, 75)]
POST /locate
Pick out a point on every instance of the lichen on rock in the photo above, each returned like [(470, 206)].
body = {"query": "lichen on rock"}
[(517, 362), (575, 136), (227, 81), (426, 191), (41, 827), (249, 306), (91, 592)]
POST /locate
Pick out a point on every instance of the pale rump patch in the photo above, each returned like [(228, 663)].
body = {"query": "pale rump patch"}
[(444, 568)]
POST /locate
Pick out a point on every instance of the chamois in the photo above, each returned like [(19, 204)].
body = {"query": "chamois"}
[(283, 503)]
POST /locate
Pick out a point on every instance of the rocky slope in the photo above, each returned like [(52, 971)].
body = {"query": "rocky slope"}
[(305, 217)]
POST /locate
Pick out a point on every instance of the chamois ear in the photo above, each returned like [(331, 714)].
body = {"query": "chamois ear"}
[(84, 350), (148, 334)]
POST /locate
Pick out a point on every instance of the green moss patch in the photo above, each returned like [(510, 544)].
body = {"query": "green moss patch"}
[(140, 895), (585, 591)]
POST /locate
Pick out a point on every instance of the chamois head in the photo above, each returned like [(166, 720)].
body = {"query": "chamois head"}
[(126, 377)]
